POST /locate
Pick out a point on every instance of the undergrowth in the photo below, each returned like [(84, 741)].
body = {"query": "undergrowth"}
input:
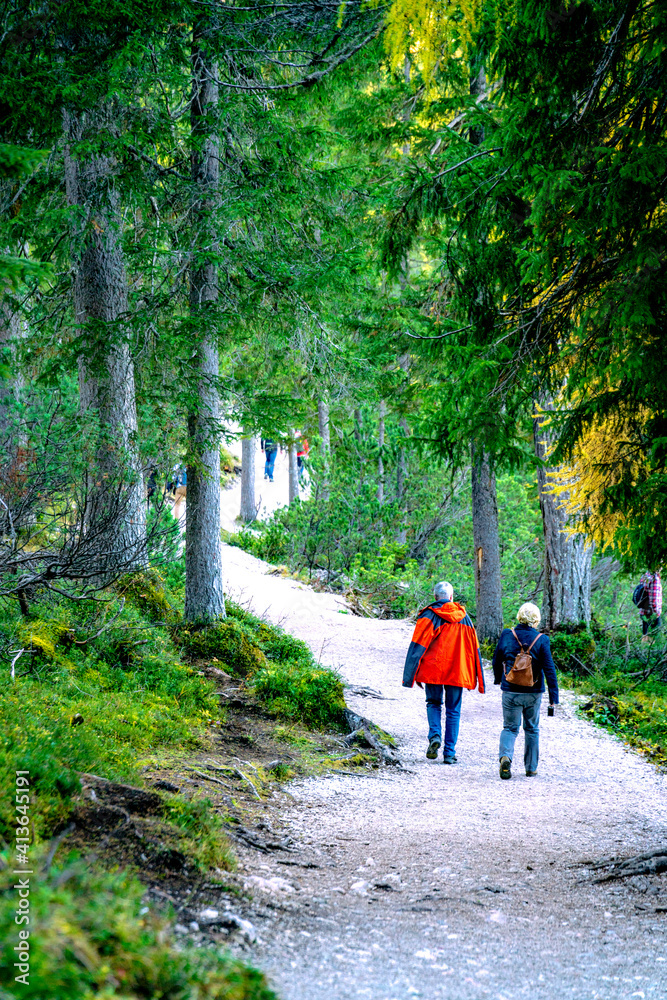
[(102, 688), (624, 681), (90, 935)]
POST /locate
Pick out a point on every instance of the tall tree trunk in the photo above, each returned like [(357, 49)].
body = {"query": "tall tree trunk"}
[(381, 428), (10, 387), (323, 425), (567, 557), (204, 596), (357, 425), (487, 549), (293, 473), (484, 503), (402, 464), (248, 509), (106, 370)]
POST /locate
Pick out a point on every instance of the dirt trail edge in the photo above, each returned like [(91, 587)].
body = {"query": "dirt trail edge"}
[(444, 882)]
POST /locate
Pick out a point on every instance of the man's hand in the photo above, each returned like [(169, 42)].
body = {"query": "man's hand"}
[(419, 685)]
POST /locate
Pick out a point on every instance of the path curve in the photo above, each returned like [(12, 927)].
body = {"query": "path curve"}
[(444, 882)]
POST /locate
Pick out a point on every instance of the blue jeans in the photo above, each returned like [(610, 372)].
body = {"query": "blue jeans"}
[(651, 624), (453, 697), (269, 463), (514, 706)]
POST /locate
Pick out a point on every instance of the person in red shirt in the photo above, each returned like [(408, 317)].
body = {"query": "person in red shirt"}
[(444, 656), (651, 616), (301, 455)]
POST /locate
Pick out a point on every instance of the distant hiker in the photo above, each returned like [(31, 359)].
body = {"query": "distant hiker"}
[(649, 603), (270, 449), (521, 678), (444, 656), (180, 490), (301, 455)]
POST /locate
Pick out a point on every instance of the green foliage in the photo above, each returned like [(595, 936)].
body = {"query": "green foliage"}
[(126, 683), (204, 829), (146, 592), (225, 641), (623, 679), (350, 541), (90, 936), (639, 718), (573, 649), (304, 692)]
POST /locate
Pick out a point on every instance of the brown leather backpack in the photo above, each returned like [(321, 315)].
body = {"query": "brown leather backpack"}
[(521, 673)]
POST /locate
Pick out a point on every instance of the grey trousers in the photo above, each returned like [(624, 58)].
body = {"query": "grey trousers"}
[(514, 707)]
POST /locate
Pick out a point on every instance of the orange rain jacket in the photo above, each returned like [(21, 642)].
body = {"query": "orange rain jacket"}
[(444, 649)]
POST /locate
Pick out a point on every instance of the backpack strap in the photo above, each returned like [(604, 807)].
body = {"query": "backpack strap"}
[(534, 641), (523, 648)]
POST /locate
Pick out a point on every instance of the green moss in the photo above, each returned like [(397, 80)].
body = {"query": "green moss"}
[(225, 641), (204, 832), (146, 592)]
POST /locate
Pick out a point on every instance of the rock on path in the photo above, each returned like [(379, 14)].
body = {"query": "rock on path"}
[(444, 882)]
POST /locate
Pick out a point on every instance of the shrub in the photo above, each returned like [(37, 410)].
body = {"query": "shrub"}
[(305, 692), (573, 649), (90, 936), (146, 592), (225, 640)]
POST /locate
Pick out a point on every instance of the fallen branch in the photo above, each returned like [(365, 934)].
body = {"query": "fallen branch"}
[(18, 653), (208, 777), (104, 628)]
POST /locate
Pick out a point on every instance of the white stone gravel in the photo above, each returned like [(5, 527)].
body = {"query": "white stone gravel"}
[(446, 883)]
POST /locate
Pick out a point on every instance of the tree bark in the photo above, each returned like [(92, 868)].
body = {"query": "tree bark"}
[(402, 464), (381, 429), (204, 596), (106, 369), (487, 548), (566, 598), (323, 425), (357, 425), (248, 508), (293, 472), (10, 388)]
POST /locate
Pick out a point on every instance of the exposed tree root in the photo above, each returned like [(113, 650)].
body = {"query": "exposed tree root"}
[(652, 863), (361, 730)]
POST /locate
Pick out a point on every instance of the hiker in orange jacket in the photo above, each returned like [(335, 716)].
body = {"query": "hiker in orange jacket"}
[(444, 655)]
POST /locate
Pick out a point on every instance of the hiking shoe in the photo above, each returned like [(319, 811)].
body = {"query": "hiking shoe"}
[(433, 747), (450, 760), (531, 774), (505, 767)]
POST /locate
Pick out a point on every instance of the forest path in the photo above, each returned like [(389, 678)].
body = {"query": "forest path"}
[(269, 497), (447, 883)]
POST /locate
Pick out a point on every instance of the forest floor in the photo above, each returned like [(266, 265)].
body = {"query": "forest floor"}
[(441, 882)]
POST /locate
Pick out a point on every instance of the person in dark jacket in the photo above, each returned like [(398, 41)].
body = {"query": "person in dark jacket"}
[(270, 449), (523, 701)]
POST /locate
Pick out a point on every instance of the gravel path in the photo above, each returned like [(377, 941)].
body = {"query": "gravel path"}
[(444, 882)]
